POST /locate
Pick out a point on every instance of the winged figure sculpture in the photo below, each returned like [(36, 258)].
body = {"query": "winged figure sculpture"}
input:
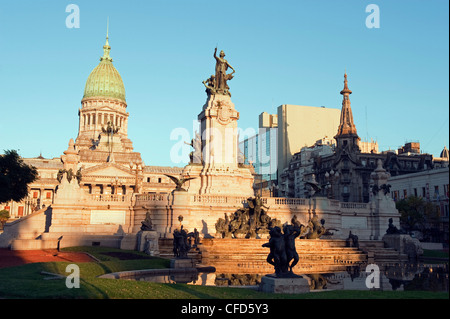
[(179, 181)]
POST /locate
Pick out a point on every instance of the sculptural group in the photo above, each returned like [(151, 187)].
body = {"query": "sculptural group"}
[(283, 254), (184, 241), (181, 242), (251, 221)]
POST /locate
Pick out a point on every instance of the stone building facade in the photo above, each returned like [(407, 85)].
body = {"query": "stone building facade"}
[(343, 170)]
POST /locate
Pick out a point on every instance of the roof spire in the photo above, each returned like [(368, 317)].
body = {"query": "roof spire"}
[(107, 30), (346, 126), (346, 89), (106, 47)]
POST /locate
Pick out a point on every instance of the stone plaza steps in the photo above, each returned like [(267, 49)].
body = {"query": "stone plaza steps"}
[(377, 251), (248, 256), (231, 255), (166, 250)]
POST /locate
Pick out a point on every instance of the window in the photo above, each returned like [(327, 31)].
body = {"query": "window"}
[(424, 192), (395, 195), (35, 194), (405, 193), (415, 192), (159, 180), (49, 195)]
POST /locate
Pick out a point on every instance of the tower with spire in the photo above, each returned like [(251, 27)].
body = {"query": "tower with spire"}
[(346, 136)]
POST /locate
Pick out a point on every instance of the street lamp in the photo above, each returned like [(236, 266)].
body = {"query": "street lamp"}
[(116, 183), (331, 178), (136, 168)]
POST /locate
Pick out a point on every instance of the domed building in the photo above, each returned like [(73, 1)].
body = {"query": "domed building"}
[(103, 116), (101, 157)]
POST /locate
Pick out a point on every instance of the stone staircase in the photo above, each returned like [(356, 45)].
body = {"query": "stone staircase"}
[(249, 257), (378, 253), (166, 250)]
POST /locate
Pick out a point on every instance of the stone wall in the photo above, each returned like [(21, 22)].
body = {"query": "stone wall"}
[(112, 218)]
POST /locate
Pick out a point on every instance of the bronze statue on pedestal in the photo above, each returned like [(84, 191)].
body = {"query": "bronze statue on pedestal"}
[(217, 84)]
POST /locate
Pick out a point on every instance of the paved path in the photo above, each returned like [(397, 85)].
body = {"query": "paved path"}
[(11, 258)]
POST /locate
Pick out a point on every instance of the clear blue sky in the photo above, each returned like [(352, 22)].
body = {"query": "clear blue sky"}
[(284, 52)]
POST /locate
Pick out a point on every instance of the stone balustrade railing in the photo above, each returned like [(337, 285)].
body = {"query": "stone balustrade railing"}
[(285, 201), (152, 198), (349, 205), (110, 198), (217, 199), (272, 202)]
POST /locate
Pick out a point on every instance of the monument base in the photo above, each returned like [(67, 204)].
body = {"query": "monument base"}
[(147, 242), (404, 244), (284, 285), (182, 263)]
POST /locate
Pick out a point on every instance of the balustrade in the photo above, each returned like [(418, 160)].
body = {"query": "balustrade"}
[(110, 198), (151, 197), (354, 205)]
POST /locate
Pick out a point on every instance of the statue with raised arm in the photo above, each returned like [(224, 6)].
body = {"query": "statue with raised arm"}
[(221, 76)]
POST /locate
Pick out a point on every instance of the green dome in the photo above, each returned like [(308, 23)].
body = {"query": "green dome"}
[(105, 80)]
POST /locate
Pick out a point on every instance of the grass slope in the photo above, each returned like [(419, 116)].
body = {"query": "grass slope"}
[(26, 281)]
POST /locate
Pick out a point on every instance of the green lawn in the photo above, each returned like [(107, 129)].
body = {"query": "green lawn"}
[(27, 282)]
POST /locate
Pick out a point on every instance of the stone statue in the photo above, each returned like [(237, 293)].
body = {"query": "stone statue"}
[(196, 238), (210, 84), (147, 223), (391, 228), (375, 189), (316, 228), (196, 155), (386, 188), (181, 245), (179, 181), (352, 240)]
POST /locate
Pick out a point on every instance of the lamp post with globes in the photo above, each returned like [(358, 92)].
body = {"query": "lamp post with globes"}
[(137, 169), (332, 177), (116, 183)]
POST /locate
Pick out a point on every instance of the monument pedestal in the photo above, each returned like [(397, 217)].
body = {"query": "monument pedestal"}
[(220, 171), (284, 285), (182, 263), (147, 241), (404, 244)]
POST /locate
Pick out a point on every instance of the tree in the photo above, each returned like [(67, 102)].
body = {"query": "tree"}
[(4, 216), (15, 175), (416, 213)]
